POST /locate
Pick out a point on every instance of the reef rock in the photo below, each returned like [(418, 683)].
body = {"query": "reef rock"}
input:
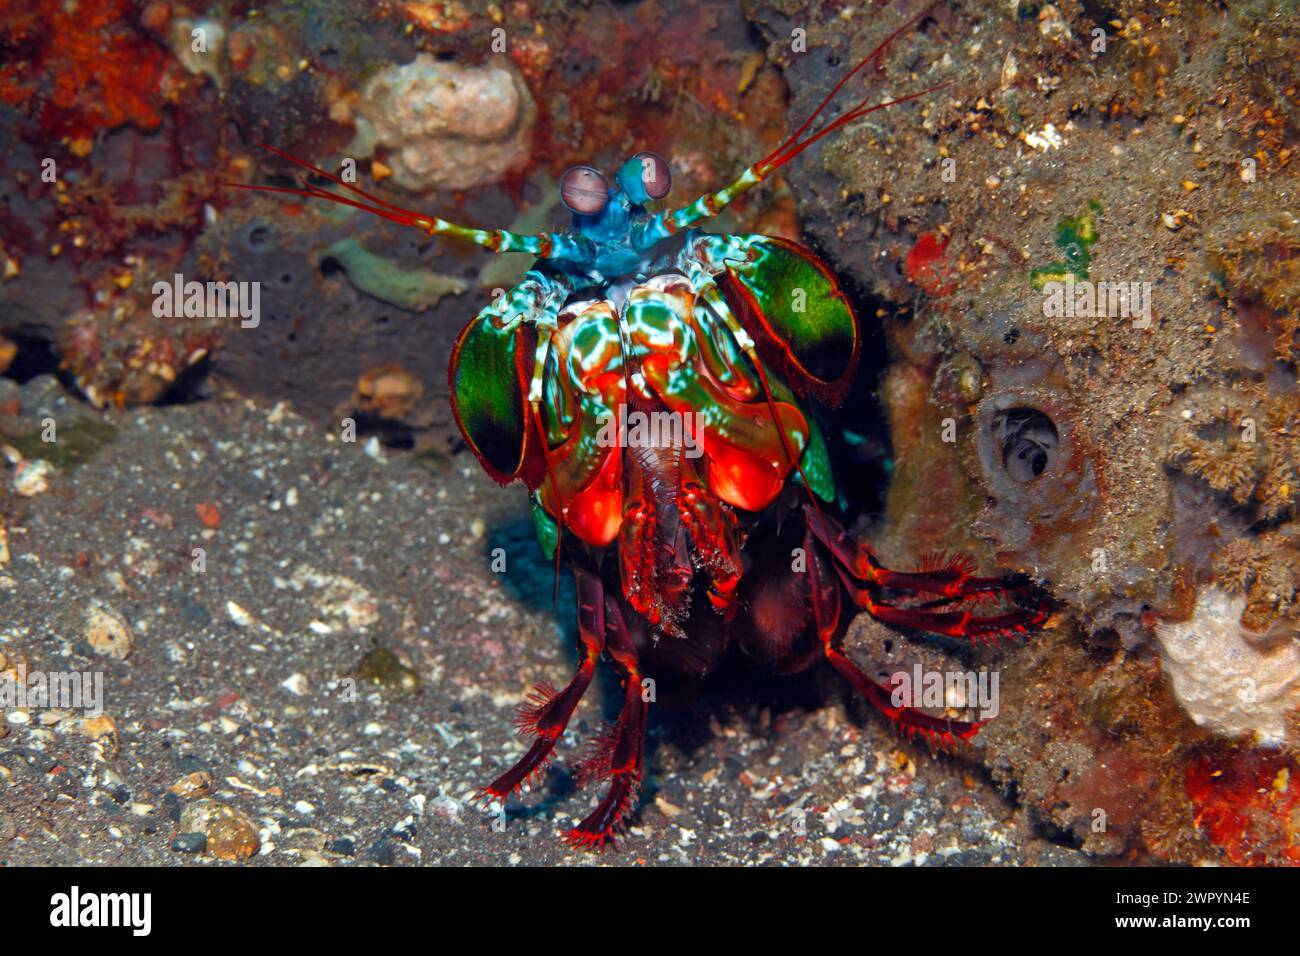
[(449, 126)]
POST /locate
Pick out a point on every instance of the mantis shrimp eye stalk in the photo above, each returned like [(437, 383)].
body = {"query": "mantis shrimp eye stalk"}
[(584, 191), (646, 176)]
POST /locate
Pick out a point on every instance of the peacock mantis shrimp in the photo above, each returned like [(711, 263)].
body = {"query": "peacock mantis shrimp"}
[(681, 546)]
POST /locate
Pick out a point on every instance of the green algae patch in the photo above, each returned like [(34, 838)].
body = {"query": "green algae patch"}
[(1075, 238), (75, 442), (381, 668), (375, 275)]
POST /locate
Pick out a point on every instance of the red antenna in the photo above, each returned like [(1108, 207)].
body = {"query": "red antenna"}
[(793, 145)]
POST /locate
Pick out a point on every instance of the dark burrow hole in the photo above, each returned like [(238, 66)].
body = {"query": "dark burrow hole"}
[(259, 236), (858, 432), (191, 384), (391, 434), (1027, 442), (35, 356)]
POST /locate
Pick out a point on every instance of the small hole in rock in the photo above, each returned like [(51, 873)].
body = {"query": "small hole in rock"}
[(1028, 442)]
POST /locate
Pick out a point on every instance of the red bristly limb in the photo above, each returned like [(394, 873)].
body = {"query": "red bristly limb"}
[(859, 571), (947, 561), (618, 758), (550, 710), (598, 764), (530, 717), (620, 763), (825, 599), (963, 624), (952, 578), (946, 577), (939, 731)]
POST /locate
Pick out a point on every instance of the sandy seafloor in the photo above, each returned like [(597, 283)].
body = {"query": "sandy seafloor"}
[(324, 552)]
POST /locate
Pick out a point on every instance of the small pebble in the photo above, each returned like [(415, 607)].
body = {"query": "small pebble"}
[(295, 684), (383, 852), (190, 843), (32, 477), (106, 633), (96, 727), (238, 615), (196, 784), (231, 834), (382, 668)]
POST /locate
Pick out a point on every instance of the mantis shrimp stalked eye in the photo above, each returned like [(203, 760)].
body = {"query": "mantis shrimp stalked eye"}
[(654, 387), (584, 191), (646, 176)]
